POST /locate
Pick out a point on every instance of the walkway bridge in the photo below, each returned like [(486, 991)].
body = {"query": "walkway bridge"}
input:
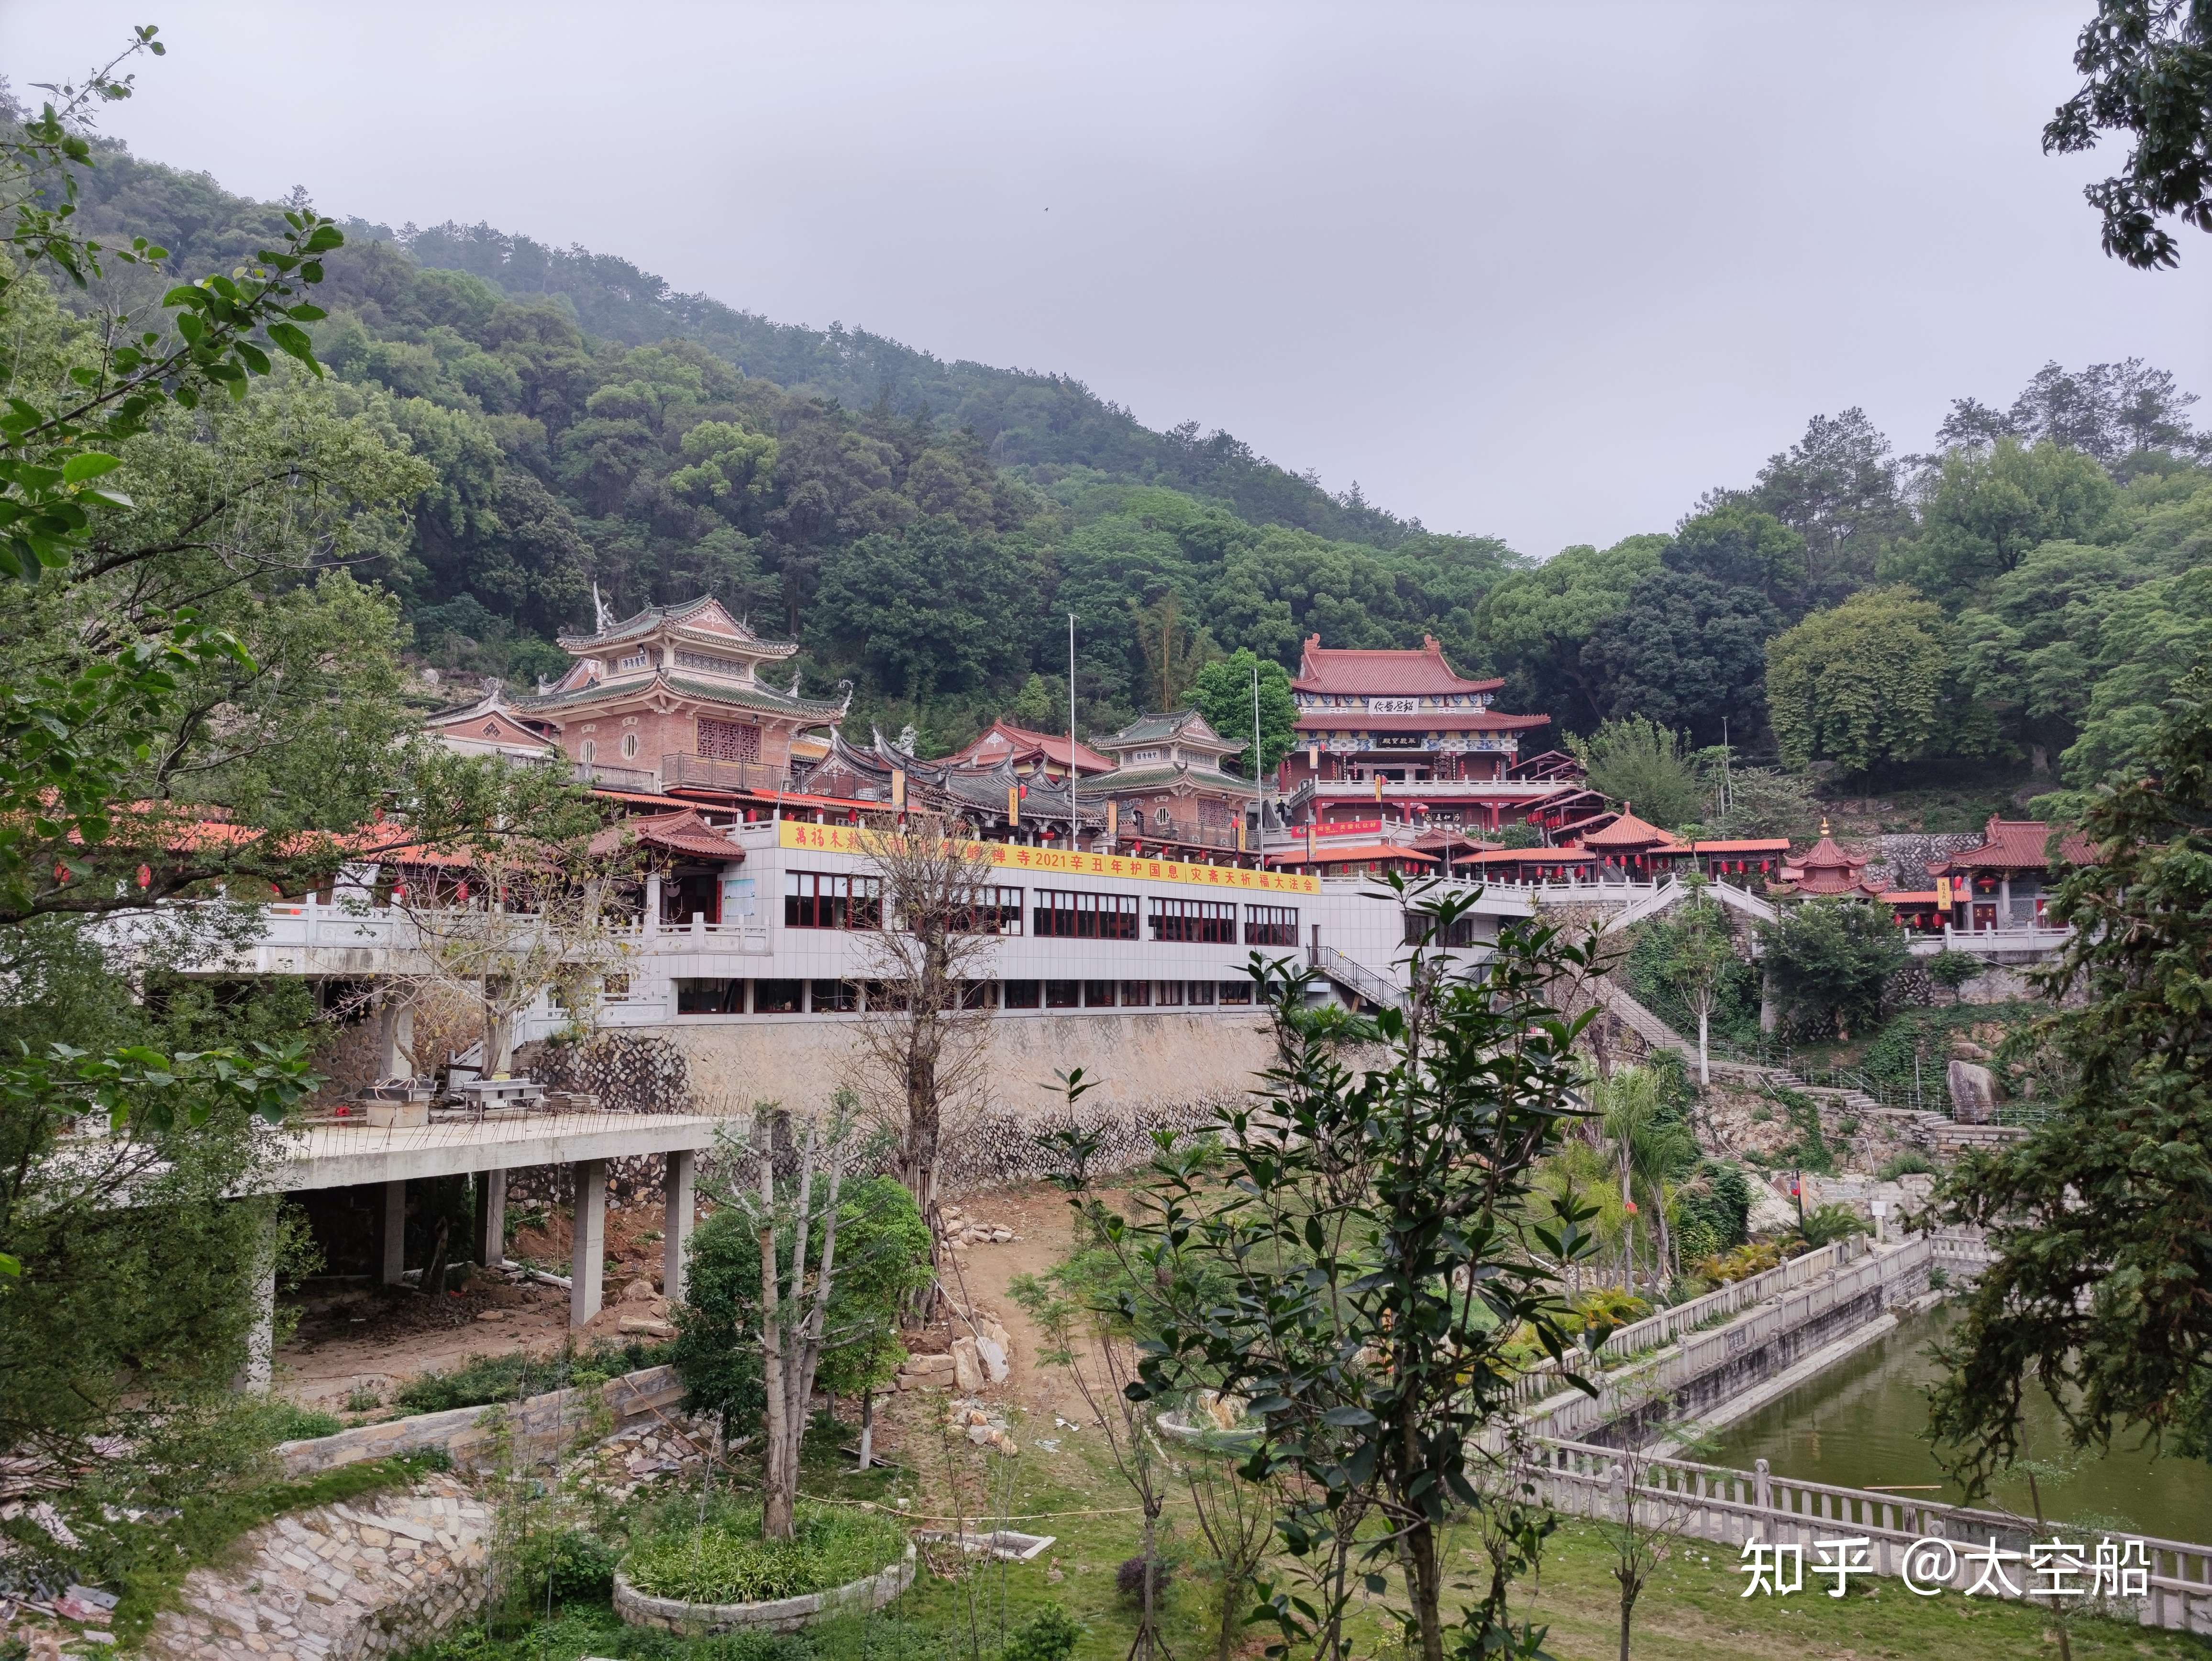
[(1692, 1357), (2172, 1592)]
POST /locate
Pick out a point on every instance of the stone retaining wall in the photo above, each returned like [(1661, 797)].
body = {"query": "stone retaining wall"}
[(537, 1428), (673, 1614), (1154, 1072), (377, 1578)]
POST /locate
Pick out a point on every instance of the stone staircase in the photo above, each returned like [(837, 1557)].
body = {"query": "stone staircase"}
[(1943, 1136)]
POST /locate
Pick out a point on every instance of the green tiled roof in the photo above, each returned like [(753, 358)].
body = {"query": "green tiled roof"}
[(1153, 778), (742, 697)]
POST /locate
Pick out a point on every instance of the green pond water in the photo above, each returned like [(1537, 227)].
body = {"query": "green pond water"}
[(1860, 1425)]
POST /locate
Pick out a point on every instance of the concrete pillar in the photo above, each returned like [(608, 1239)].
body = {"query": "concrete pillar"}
[(396, 1027), (651, 920), (491, 1218), (676, 1227), (261, 1341), (394, 1232), (587, 1260)]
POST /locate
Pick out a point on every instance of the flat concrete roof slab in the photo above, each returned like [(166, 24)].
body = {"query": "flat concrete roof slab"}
[(341, 1156)]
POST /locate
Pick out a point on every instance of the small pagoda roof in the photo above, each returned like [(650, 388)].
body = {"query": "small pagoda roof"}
[(1627, 832), (1824, 868), (701, 619), (1351, 671), (1018, 741), (681, 832), (1173, 727)]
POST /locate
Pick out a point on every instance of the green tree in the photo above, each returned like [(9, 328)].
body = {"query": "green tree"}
[(2148, 70), (1694, 954), (2100, 1218), (1741, 548), (1223, 693), (1539, 622), (1398, 1195), (1689, 653), (883, 1259), (1836, 486), (933, 607), (1831, 960), (1859, 684), (1991, 509), (1643, 763), (1766, 801)]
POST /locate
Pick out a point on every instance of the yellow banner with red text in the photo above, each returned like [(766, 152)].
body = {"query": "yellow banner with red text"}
[(1062, 862)]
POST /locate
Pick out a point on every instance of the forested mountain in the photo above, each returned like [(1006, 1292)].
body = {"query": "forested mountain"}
[(2025, 591)]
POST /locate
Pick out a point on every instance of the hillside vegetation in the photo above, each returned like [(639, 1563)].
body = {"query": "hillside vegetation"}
[(2019, 597)]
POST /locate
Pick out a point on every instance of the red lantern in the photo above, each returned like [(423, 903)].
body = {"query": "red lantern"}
[(145, 876)]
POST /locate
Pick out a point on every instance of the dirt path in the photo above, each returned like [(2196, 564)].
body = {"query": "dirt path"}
[(1042, 1229)]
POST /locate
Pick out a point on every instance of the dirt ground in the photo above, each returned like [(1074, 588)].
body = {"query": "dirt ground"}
[(362, 1340), (358, 1342)]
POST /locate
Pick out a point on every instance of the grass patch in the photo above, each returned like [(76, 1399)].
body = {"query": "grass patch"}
[(206, 1533), (481, 1380), (725, 1560), (288, 1421)]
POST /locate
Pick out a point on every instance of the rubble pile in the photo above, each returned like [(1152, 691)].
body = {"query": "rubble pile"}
[(963, 1231), (984, 1425), (644, 1454)]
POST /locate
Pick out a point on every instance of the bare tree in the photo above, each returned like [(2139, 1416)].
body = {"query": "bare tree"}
[(1646, 1509), (926, 1029), (505, 923), (794, 1302)]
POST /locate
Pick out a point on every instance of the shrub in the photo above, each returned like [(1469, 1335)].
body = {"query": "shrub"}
[(576, 1567), (1129, 1578), (481, 1380), (726, 1561), (1740, 1264), (1050, 1634), (1909, 1163), (288, 1421), (1953, 970), (1825, 1224)]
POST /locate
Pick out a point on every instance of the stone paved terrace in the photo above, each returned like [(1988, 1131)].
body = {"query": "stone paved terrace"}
[(372, 1579)]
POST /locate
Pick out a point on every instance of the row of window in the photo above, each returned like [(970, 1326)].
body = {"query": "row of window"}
[(820, 899), (796, 997)]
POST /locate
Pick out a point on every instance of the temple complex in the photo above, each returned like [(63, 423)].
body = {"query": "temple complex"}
[(1167, 790), (676, 698), (2005, 883), (1400, 737)]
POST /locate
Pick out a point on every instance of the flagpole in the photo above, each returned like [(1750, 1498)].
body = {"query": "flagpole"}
[(1259, 779), (1070, 731)]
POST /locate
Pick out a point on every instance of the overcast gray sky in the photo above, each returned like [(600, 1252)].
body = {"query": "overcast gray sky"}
[(1545, 270)]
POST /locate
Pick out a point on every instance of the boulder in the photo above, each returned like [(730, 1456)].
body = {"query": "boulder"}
[(639, 1291), (993, 1358), (968, 1375), (1973, 1093)]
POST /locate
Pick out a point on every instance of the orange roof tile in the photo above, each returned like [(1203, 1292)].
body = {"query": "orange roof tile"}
[(1629, 831), (1364, 670)]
